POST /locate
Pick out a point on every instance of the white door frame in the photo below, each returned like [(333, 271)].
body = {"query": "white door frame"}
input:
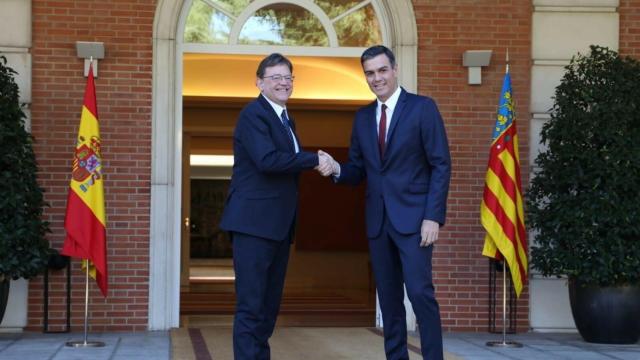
[(399, 26)]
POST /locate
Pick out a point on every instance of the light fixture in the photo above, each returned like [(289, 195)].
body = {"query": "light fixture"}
[(475, 60), (211, 160), (91, 52)]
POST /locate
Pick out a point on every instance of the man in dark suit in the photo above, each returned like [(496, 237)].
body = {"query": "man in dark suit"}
[(261, 206), (399, 144)]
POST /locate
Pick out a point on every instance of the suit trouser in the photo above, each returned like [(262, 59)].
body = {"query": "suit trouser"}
[(396, 259), (260, 266)]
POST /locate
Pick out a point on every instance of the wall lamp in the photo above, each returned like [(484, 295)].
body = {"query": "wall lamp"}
[(475, 60), (90, 52)]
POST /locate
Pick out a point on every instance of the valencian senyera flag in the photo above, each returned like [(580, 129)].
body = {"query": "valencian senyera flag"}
[(501, 210), (85, 220)]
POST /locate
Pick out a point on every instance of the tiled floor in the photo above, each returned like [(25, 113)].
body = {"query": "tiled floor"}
[(156, 345), (118, 346), (536, 346)]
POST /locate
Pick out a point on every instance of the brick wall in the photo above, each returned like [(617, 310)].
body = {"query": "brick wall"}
[(630, 28), (445, 30), (124, 107)]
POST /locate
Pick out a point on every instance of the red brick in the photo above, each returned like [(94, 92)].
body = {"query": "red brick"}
[(445, 30)]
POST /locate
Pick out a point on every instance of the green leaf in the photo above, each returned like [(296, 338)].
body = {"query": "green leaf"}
[(24, 249), (583, 202)]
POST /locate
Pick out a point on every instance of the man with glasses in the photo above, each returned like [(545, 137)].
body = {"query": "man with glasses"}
[(261, 206)]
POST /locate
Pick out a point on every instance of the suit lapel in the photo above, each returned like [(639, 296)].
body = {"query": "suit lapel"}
[(397, 115), (295, 134), (372, 129), (277, 121)]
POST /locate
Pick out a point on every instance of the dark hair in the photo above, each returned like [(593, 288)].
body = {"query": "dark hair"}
[(376, 50), (273, 60)]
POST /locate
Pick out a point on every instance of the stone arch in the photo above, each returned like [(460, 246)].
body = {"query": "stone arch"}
[(401, 36)]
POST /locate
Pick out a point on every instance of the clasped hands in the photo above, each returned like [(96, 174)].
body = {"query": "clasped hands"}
[(428, 230), (326, 165)]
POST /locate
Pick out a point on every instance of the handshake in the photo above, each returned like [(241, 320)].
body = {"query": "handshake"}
[(327, 166)]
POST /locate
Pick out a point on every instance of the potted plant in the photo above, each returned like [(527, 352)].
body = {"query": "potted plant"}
[(584, 199), (24, 251)]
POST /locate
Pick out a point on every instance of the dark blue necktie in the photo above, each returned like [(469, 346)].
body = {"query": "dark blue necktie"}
[(287, 127)]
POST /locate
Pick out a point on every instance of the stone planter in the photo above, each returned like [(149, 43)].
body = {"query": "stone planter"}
[(5, 285), (15, 317)]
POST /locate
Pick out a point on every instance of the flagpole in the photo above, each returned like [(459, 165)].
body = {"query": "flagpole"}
[(86, 300), (504, 342), (84, 342), (507, 68)]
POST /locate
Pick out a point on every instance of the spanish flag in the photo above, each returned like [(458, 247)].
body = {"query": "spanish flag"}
[(85, 220), (501, 211)]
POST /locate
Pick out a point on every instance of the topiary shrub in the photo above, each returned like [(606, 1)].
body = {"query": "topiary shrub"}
[(24, 250), (584, 199)]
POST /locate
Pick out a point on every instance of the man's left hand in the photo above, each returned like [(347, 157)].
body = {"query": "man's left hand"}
[(429, 232)]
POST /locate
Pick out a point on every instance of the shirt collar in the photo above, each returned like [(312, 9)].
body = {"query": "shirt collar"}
[(392, 100), (277, 108)]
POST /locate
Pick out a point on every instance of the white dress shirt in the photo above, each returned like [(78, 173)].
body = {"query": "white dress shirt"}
[(391, 105), (278, 109)]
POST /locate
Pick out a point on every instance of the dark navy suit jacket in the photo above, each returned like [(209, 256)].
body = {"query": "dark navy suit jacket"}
[(411, 182), (263, 195)]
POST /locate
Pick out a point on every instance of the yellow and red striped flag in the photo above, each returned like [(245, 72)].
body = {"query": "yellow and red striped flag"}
[(85, 219), (501, 211)]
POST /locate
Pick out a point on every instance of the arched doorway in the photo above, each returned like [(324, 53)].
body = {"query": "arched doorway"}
[(399, 33)]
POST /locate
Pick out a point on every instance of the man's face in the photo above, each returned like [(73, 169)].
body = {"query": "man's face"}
[(277, 90), (381, 77)]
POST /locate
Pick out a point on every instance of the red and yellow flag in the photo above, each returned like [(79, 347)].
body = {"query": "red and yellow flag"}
[(501, 211), (85, 220)]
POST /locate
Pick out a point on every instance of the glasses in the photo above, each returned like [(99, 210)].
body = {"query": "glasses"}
[(278, 78)]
